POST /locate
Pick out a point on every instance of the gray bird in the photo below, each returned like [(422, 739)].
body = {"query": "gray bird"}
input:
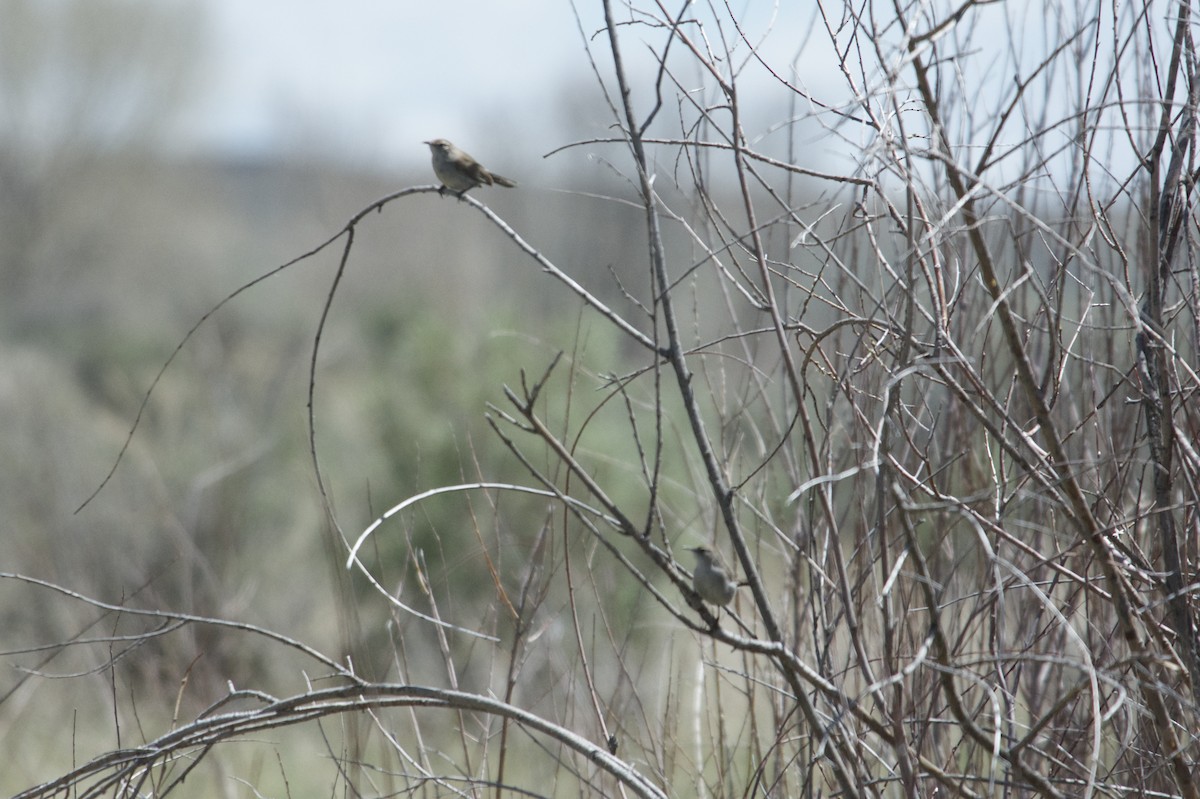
[(460, 172), (710, 579)]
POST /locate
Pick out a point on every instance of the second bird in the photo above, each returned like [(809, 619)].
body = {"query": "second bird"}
[(710, 580), (460, 172)]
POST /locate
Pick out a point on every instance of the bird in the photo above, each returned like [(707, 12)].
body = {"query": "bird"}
[(710, 579), (459, 172)]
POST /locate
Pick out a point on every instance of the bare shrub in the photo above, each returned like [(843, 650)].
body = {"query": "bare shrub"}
[(926, 381)]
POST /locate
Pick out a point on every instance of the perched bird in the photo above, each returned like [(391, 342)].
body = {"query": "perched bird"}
[(460, 172), (710, 580)]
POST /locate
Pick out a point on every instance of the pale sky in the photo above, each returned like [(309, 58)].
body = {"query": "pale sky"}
[(374, 78), (377, 78), (366, 81)]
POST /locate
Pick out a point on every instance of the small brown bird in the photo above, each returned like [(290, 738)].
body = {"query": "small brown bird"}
[(460, 172)]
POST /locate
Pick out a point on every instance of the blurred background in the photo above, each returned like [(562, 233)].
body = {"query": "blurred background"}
[(155, 156), (159, 156)]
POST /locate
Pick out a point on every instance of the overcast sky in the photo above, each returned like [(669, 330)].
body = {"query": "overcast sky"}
[(367, 81), (378, 77), (373, 79)]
